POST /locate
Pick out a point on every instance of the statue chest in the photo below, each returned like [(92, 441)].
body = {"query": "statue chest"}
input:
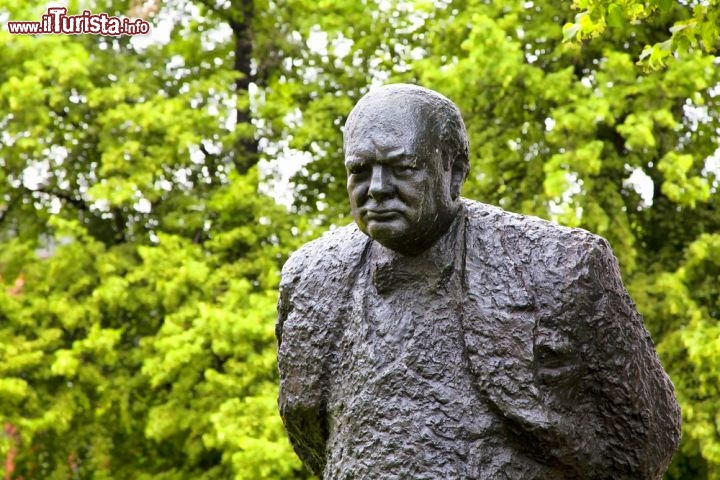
[(401, 385)]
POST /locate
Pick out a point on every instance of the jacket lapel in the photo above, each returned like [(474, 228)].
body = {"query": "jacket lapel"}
[(498, 314)]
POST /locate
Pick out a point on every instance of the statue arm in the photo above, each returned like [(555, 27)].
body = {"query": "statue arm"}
[(609, 407), (302, 399)]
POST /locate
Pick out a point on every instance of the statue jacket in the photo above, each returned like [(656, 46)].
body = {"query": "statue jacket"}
[(554, 346)]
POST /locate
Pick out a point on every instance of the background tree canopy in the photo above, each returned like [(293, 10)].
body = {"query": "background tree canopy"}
[(142, 185)]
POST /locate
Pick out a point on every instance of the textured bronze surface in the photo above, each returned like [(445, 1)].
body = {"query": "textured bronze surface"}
[(442, 338)]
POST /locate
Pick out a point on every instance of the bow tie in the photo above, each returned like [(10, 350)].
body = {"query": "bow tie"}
[(389, 275)]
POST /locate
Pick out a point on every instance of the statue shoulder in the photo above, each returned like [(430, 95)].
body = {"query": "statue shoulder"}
[(334, 251), (314, 277), (531, 239)]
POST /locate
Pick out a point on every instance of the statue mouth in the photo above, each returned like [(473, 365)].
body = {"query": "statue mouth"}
[(381, 214)]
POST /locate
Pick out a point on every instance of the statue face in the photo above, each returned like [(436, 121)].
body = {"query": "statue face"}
[(400, 194)]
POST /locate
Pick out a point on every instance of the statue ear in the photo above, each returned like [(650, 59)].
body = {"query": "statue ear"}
[(457, 178)]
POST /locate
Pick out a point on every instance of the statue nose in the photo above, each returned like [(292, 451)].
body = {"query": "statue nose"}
[(381, 185)]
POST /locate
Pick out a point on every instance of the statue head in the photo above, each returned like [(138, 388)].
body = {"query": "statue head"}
[(406, 155)]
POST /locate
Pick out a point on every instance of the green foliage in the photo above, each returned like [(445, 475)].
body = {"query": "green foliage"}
[(689, 299), (140, 257), (139, 263), (697, 25)]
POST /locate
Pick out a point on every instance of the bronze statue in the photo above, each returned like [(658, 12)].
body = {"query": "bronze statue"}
[(442, 338)]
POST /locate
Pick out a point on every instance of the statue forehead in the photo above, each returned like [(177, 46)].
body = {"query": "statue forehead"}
[(395, 107), (397, 100)]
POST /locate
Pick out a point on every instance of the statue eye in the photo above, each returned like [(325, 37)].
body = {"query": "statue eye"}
[(357, 169), (405, 169)]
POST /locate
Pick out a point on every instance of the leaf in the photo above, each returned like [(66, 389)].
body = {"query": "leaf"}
[(615, 16)]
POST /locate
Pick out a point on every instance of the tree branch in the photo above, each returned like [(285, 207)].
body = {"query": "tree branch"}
[(4, 214), (76, 202), (246, 149)]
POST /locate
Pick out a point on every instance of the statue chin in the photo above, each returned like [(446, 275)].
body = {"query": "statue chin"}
[(384, 231), (389, 233)]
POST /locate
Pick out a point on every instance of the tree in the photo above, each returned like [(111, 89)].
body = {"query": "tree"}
[(140, 257)]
